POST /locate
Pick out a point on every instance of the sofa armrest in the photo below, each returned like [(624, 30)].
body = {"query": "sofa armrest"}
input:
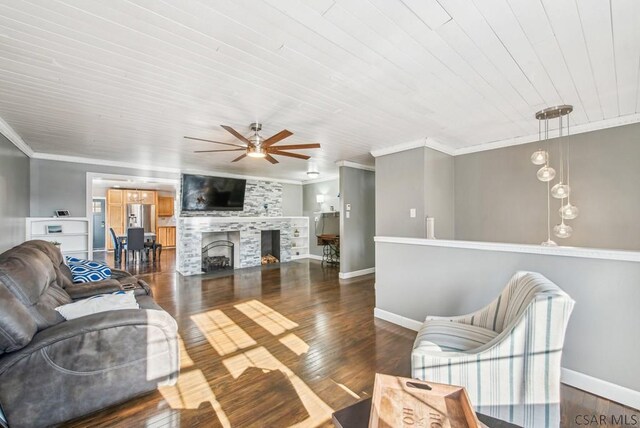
[(105, 358), (88, 289)]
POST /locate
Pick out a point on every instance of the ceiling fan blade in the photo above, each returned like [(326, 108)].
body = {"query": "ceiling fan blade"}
[(214, 151), (291, 155), (242, 156), (275, 138), (297, 146), (236, 134), (271, 159), (216, 142)]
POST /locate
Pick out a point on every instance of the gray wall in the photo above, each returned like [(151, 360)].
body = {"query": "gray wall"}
[(357, 249), (62, 185), (330, 190), (14, 194), (439, 201), (292, 200), (498, 197), (603, 339), (400, 187), (420, 178)]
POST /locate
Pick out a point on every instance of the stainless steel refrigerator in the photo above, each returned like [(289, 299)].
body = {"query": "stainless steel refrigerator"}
[(142, 215)]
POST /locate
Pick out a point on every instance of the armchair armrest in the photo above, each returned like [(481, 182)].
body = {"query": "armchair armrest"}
[(88, 289), (104, 358)]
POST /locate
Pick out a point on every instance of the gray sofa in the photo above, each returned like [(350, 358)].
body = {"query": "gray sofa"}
[(53, 370)]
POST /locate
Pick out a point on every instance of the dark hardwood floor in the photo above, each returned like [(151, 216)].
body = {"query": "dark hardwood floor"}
[(278, 347)]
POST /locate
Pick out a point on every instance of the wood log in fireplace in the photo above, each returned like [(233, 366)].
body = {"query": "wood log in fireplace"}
[(269, 259)]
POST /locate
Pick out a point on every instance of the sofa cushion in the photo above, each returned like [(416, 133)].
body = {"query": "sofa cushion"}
[(29, 275), (448, 336), (17, 326), (63, 274), (87, 270)]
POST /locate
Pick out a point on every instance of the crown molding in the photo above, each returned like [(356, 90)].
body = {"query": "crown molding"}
[(524, 139), (146, 168), (577, 129), (355, 165), (12, 135), (428, 142), (322, 180)]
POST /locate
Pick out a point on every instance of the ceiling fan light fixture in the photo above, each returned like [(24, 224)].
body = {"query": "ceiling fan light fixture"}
[(256, 152)]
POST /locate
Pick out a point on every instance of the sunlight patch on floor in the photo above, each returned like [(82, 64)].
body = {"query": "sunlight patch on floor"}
[(346, 389), (190, 391), (222, 333), (317, 409), (185, 360), (272, 321), (295, 344)]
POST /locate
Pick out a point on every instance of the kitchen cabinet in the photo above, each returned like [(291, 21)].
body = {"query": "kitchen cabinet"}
[(165, 206), (166, 236), (115, 214)]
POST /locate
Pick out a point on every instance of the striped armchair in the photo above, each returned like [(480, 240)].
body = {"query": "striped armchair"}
[(507, 355)]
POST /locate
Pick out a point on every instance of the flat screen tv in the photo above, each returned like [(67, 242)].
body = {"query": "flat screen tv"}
[(204, 193)]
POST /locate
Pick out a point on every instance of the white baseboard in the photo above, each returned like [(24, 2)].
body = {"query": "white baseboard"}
[(602, 388), (314, 257), (599, 387), (347, 275), (397, 319)]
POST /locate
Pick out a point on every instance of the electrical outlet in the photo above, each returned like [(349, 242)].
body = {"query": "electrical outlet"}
[(412, 213)]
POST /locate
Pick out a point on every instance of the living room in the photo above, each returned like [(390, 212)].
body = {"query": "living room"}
[(319, 213)]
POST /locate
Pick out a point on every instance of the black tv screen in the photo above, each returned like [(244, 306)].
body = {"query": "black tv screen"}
[(204, 193)]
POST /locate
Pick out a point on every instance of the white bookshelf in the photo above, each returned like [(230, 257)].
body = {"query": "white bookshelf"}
[(300, 243), (73, 235)]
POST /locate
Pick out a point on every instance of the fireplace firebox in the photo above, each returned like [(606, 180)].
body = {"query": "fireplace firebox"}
[(270, 246), (218, 255)]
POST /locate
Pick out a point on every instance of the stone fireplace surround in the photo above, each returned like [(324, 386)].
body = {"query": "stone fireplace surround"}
[(191, 229)]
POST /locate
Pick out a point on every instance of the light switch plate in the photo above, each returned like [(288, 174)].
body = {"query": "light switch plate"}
[(348, 214), (412, 212)]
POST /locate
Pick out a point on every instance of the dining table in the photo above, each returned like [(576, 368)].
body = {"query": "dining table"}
[(122, 240)]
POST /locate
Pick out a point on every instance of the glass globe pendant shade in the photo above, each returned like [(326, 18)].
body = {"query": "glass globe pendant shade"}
[(546, 173), (562, 230), (549, 243), (560, 191), (569, 212), (539, 157)]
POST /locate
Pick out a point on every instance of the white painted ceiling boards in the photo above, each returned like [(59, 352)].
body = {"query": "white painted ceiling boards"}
[(126, 80)]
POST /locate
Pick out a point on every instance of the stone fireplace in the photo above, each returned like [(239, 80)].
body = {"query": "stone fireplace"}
[(246, 234)]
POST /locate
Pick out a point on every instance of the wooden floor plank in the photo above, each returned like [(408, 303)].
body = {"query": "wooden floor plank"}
[(317, 348)]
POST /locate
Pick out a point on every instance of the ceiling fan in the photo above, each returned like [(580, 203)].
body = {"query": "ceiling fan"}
[(257, 146)]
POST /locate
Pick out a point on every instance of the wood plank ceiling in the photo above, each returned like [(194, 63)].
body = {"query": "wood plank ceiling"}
[(126, 80)]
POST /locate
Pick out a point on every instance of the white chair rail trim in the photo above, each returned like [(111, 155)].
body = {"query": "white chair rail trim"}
[(588, 253)]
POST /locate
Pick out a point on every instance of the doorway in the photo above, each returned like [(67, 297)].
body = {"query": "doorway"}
[(98, 213)]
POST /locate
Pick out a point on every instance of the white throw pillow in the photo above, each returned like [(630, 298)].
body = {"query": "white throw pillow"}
[(99, 303)]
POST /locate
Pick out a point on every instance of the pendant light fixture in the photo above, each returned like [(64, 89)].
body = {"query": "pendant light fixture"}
[(561, 190)]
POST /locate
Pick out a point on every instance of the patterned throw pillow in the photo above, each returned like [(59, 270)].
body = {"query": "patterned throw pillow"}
[(87, 270)]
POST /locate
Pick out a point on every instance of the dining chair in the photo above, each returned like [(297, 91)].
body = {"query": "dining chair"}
[(135, 242), (117, 248)]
